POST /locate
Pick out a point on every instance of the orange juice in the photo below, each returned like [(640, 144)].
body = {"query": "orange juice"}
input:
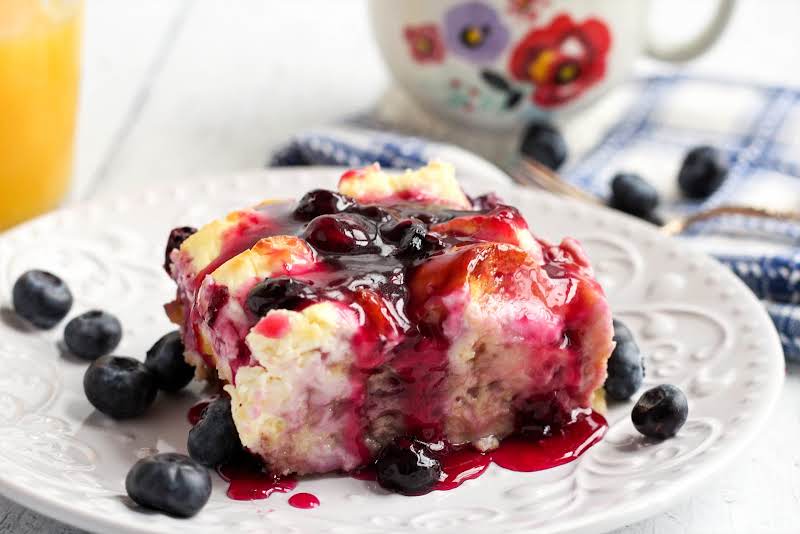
[(39, 69)]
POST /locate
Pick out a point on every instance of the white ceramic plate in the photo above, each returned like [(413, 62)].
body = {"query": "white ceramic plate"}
[(698, 325)]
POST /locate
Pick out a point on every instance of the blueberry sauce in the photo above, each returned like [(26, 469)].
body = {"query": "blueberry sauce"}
[(458, 466), (249, 480), (562, 446), (517, 453), (305, 501), (252, 225)]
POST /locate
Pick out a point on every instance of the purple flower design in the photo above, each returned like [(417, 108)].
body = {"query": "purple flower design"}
[(473, 30)]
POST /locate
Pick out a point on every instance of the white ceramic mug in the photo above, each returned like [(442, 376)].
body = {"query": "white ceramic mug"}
[(500, 63)]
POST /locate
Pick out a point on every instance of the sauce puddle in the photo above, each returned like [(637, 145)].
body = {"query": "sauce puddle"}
[(563, 446), (305, 501), (248, 481), (517, 453)]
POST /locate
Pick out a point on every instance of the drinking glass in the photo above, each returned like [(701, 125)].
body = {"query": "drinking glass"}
[(39, 73)]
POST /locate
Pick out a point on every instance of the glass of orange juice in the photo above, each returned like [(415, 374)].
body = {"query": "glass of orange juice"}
[(39, 72)]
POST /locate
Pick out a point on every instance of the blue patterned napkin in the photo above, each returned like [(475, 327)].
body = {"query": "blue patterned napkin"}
[(757, 127)]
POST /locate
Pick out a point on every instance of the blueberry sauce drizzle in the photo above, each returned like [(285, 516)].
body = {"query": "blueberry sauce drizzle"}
[(367, 253), (521, 453), (249, 480)]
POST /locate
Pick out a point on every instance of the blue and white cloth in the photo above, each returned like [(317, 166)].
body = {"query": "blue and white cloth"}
[(661, 118)]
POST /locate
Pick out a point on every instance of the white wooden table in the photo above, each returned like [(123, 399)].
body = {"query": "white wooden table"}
[(177, 88)]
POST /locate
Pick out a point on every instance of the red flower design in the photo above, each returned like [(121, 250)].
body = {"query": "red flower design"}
[(562, 60), (425, 43)]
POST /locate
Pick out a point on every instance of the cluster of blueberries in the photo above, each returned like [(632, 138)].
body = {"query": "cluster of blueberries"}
[(703, 171), (338, 225), (123, 387)]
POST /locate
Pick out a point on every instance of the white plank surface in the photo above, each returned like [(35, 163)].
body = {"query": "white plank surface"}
[(124, 43), (176, 88), (240, 78)]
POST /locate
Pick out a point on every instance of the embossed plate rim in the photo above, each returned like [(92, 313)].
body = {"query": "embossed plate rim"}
[(623, 228)]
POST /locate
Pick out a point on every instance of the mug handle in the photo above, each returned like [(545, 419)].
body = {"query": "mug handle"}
[(698, 44)]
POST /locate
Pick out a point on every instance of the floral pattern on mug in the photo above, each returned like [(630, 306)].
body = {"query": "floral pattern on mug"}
[(474, 31), (425, 43), (562, 60), (529, 9)]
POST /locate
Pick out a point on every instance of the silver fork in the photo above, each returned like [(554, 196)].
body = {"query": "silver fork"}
[(532, 173)]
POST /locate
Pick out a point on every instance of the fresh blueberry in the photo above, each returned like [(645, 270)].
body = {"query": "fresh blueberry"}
[(277, 293), (544, 143), (621, 331), (214, 440), (176, 238), (119, 387), (660, 412), (632, 194), (42, 298), (321, 202), (169, 482), (703, 171), (340, 234), (406, 466), (625, 370), (93, 334), (165, 360)]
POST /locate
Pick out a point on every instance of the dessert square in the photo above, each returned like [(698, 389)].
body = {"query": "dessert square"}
[(395, 307)]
